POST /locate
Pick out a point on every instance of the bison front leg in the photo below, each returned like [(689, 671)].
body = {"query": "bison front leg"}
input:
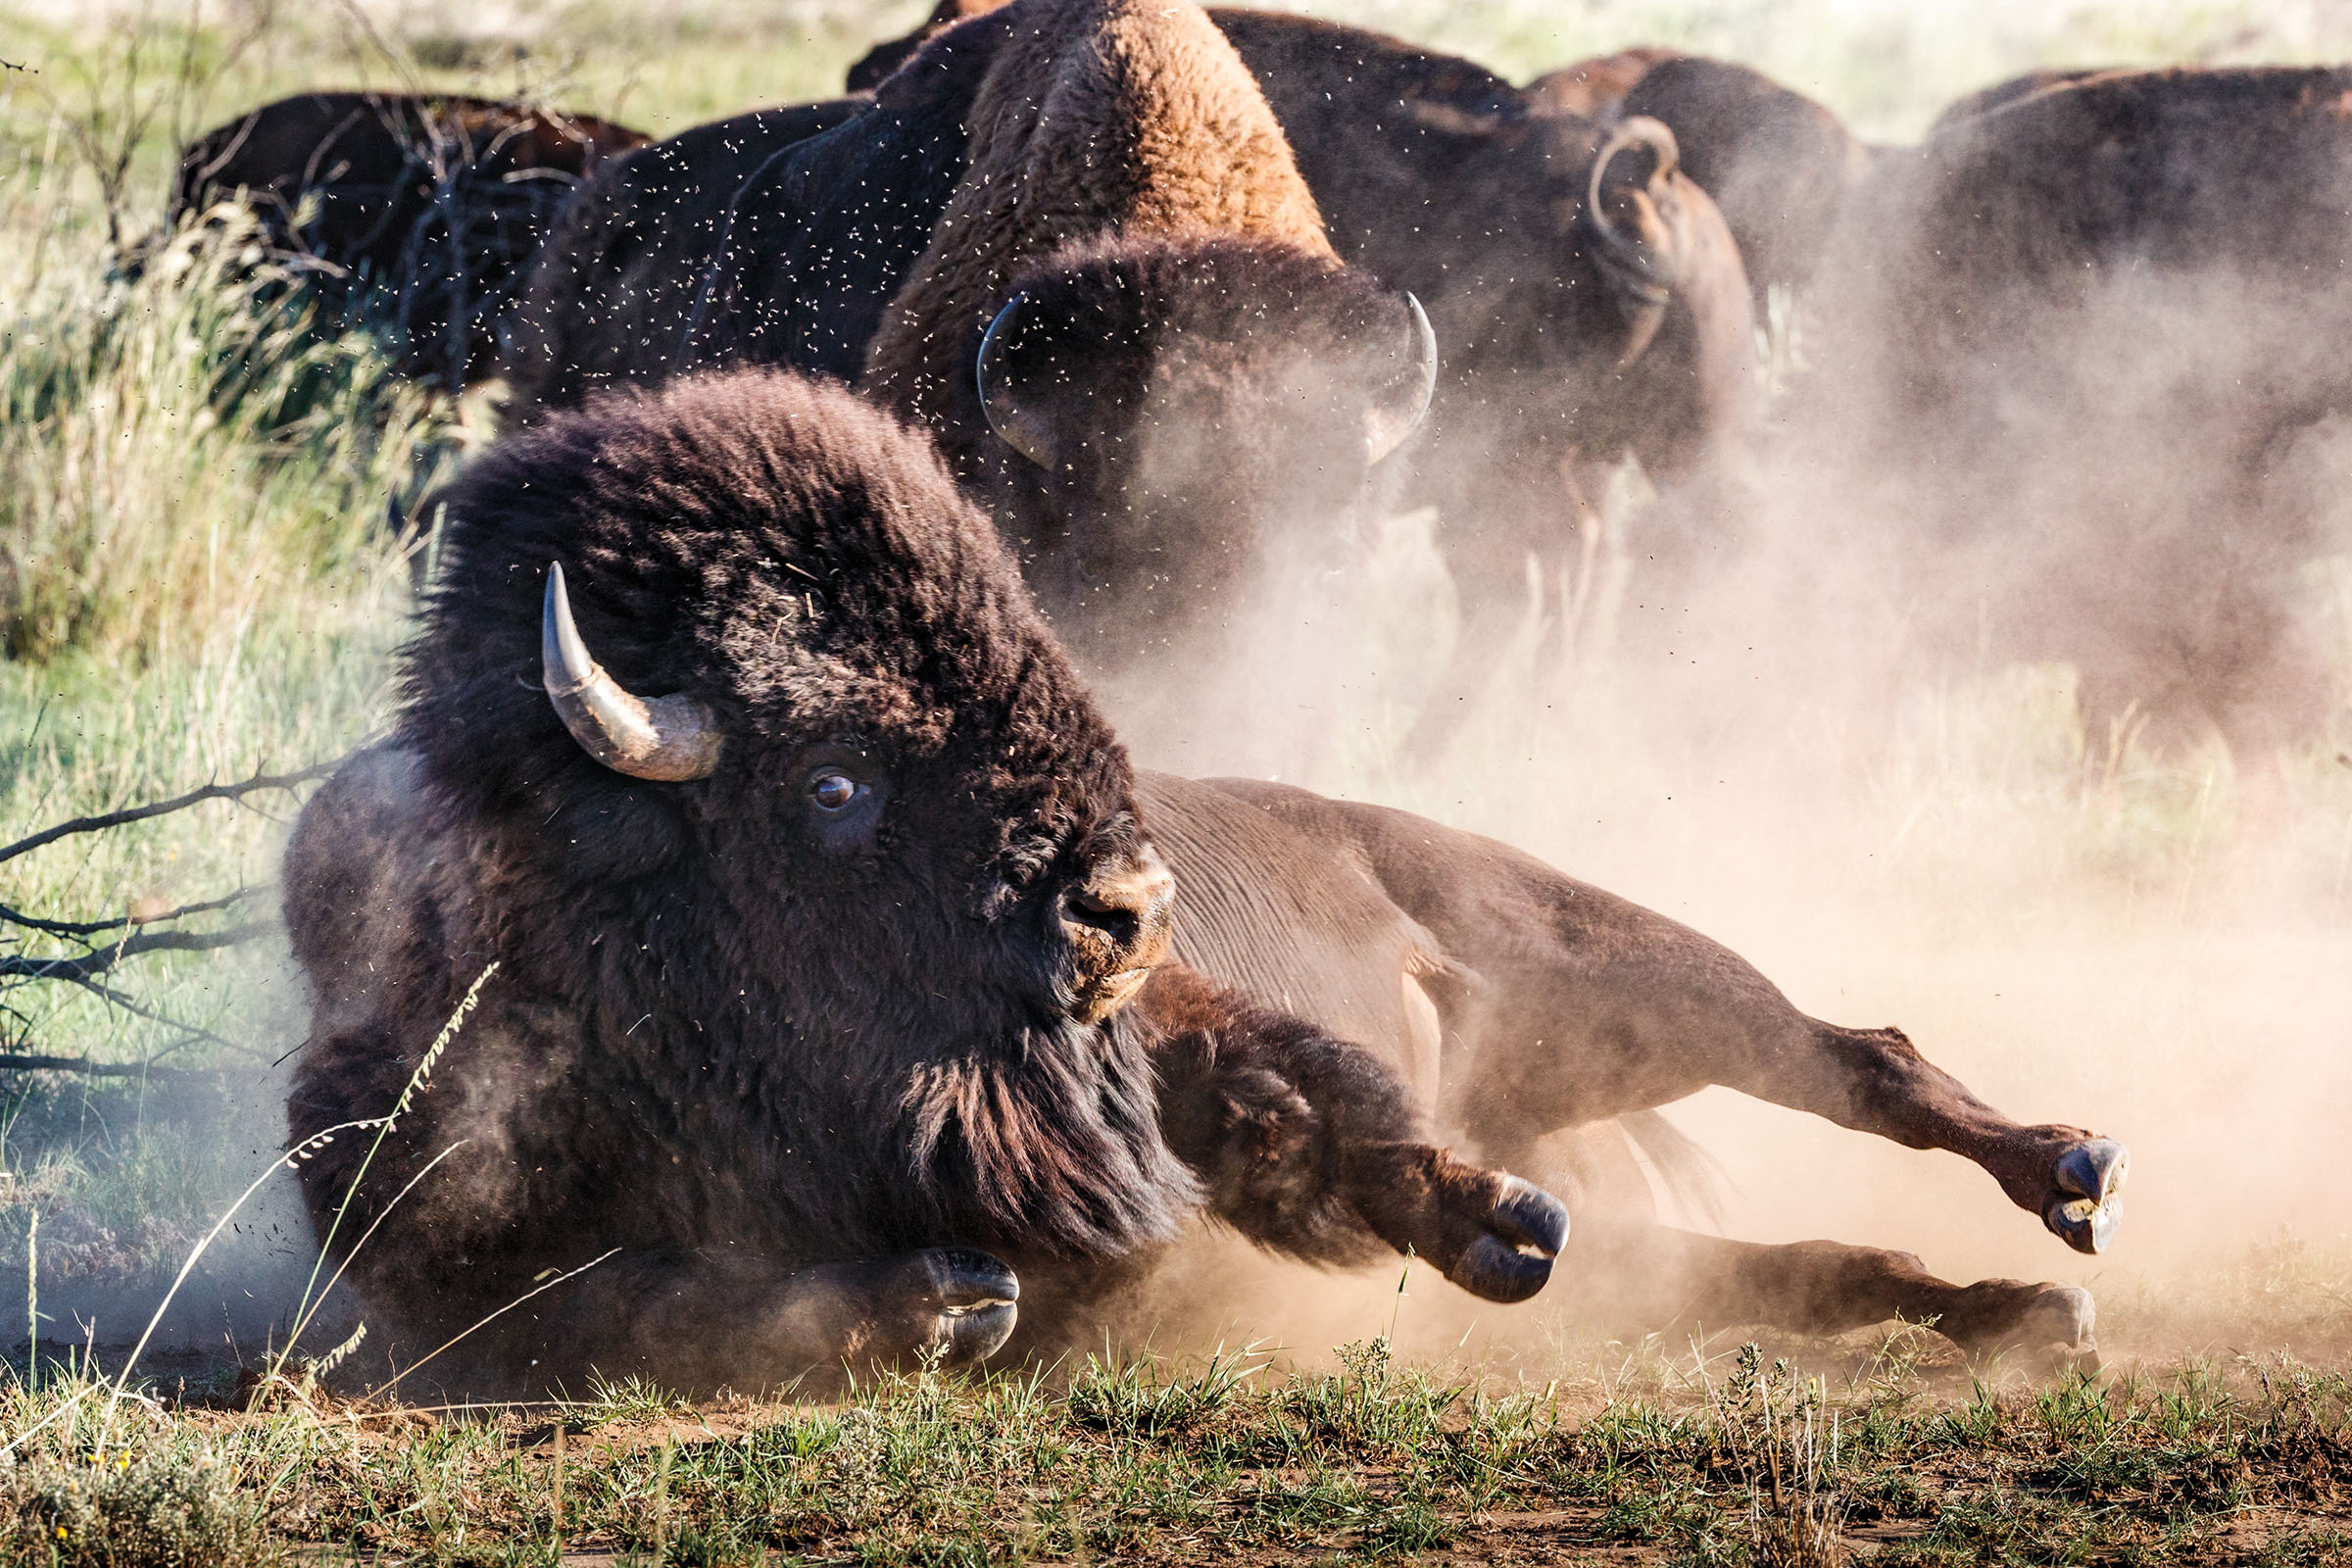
[(1653, 1274), (696, 1319), (1311, 1147), (691, 1320)]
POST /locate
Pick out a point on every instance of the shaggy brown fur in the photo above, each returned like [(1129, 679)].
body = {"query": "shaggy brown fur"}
[(799, 1065), (2089, 347), (1111, 161), (428, 207), (2001, 94), (1590, 88), (1097, 118)]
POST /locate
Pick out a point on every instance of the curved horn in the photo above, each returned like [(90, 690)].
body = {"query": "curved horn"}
[(669, 738), (1383, 427), (1021, 428), (1640, 279)]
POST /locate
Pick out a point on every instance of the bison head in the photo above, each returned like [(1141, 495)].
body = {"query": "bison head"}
[(738, 666), (1589, 231), (1167, 408)]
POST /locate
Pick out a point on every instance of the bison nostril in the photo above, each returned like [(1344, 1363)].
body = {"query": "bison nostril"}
[(1109, 915), (1122, 905)]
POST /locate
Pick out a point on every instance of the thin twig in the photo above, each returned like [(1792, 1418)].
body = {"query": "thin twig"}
[(190, 1033), (18, 967), (87, 928), (140, 813), (18, 1061)]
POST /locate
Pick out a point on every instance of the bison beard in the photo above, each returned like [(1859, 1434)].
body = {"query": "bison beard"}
[(818, 1038)]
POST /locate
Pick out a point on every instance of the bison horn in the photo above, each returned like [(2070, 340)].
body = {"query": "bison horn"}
[(1020, 426), (1640, 279), (1389, 422), (669, 738)]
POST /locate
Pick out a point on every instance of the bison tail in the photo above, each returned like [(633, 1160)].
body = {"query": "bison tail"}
[(1693, 1178)]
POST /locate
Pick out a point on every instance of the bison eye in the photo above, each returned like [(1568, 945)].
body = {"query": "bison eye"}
[(832, 790)]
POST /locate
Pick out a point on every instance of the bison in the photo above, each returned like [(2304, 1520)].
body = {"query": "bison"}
[(1589, 300), (629, 261), (852, 996), (422, 209), (1777, 164), (2089, 347), (1068, 237), (832, 985)]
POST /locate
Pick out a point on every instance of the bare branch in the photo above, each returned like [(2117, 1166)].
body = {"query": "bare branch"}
[(20, 1061), (18, 967), (85, 928), (140, 813)]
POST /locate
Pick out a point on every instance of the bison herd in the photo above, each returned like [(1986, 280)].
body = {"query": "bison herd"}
[(852, 996)]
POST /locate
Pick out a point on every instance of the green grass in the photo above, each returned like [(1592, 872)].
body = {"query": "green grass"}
[(1372, 1461)]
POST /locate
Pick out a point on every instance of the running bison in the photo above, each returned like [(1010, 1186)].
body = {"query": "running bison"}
[(1777, 164), (833, 1008), (2090, 346), (843, 996), (422, 210), (1069, 238)]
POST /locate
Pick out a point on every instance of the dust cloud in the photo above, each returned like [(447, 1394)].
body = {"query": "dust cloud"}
[(2016, 718)]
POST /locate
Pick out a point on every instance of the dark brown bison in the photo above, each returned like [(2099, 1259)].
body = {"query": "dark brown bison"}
[(833, 1008), (1588, 299), (1069, 238), (1777, 164), (619, 282), (420, 209), (2090, 346)]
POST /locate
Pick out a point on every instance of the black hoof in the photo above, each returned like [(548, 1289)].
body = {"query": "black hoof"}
[(974, 1302), (1512, 1261), (2082, 1207)]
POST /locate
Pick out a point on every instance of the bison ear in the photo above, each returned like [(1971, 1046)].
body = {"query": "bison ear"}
[(1405, 398), (1018, 421), (1638, 252)]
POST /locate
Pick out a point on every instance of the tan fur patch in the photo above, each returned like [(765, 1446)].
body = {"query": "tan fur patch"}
[(1130, 117)]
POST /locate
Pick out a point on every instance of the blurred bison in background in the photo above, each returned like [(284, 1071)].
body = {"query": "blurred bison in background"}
[(1069, 238), (631, 258), (1588, 299), (2090, 347), (833, 1012), (889, 55), (1775, 164), (417, 209)]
